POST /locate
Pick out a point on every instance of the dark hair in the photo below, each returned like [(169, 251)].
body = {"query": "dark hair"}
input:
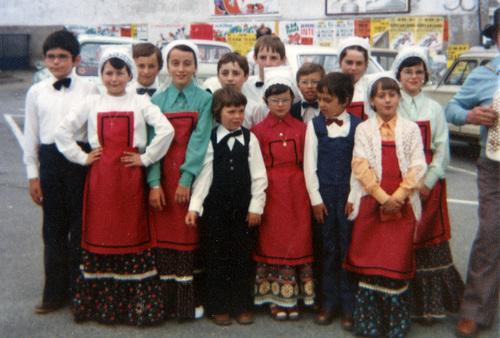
[(184, 48), (309, 68), (262, 30), (234, 57), (117, 63), (271, 42), (146, 49), (384, 83), (410, 62), (62, 39), (356, 48), (339, 85), (226, 97), (277, 89)]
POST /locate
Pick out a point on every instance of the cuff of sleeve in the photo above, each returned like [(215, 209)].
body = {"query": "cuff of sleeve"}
[(32, 171), (186, 179), (256, 207), (315, 197), (196, 205), (401, 194), (146, 161), (430, 179), (154, 183), (380, 195)]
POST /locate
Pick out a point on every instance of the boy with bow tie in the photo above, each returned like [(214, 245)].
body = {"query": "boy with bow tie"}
[(148, 60), (308, 77), (56, 184)]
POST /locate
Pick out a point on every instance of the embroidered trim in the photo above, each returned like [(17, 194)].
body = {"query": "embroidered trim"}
[(444, 267), (383, 289), (179, 279), (119, 276)]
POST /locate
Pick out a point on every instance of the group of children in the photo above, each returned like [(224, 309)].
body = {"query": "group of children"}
[(314, 205)]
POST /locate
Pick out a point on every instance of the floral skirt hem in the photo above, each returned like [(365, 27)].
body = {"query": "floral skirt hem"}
[(118, 289)]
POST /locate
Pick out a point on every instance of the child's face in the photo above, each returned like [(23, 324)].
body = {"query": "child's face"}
[(386, 103), (181, 67), (412, 79), (60, 62), (267, 58), (231, 117), (231, 74), (115, 80), (279, 105), (147, 69), (354, 64), (307, 86), (329, 104)]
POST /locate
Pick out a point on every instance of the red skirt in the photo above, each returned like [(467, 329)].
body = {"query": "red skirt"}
[(170, 229), (285, 234), (115, 206), (383, 248)]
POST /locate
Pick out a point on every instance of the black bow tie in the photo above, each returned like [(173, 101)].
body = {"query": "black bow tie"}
[(337, 121), (62, 83), (259, 84), (231, 134), (149, 91), (306, 104)]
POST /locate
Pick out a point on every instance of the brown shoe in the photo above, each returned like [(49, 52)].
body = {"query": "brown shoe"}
[(245, 318), (347, 322), (466, 328), (324, 317), (47, 307), (222, 319)]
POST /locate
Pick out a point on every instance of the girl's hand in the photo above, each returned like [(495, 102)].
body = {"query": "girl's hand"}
[(157, 198), (349, 208), (191, 218), (424, 192), (131, 159), (36, 191), (391, 206), (253, 219), (320, 212), (182, 194), (94, 155)]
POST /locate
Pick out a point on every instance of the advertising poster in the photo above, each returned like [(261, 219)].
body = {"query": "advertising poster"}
[(162, 34), (343, 28), (344, 7), (379, 32), (241, 42), (454, 52), (402, 32), (243, 7), (429, 32), (362, 28), (325, 32)]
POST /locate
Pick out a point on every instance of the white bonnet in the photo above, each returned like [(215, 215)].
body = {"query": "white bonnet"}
[(374, 78), (188, 43), (123, 53), (278, 75), (406, 53), (354, 41)]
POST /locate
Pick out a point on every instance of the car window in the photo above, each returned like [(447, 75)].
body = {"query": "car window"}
[(484, 61), (211, 53), (385, 60), (459, 72), (90, 54)]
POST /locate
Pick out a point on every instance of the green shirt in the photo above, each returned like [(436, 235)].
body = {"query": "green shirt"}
[(194, 99), (423, 108)]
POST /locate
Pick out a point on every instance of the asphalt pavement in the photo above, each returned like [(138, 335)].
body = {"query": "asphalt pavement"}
[(21, 252)]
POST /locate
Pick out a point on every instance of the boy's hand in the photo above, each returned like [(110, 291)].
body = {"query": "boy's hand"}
[(320, 212), (253, 219), (424, 192), (349, 208), (182, 194), (191, 218), (94, 155), (157, 198), (131, 159), (391, 206), (36, 191)]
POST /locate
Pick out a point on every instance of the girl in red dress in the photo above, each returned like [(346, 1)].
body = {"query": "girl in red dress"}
[(388, 163), (284, 249)]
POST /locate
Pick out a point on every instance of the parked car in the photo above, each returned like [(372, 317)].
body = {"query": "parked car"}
[(384, 56), (90, 51), (451, 82)]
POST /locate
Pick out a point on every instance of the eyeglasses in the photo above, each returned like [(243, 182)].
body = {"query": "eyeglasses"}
[(308, 83), (279, 101), (411, 73), (62, 57)]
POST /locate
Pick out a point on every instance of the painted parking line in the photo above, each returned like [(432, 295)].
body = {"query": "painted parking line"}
[(15, 128), (460, 170), (464, 202)]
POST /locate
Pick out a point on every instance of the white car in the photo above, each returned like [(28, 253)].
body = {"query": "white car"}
[(90, 50)]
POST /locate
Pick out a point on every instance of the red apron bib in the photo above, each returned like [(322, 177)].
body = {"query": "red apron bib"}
[(171, 231), (383, 248), (357, 109), (434, 227), (115, 207), (285, 233)]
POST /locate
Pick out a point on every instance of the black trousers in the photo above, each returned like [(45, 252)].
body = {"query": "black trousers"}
[(62, 184)]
